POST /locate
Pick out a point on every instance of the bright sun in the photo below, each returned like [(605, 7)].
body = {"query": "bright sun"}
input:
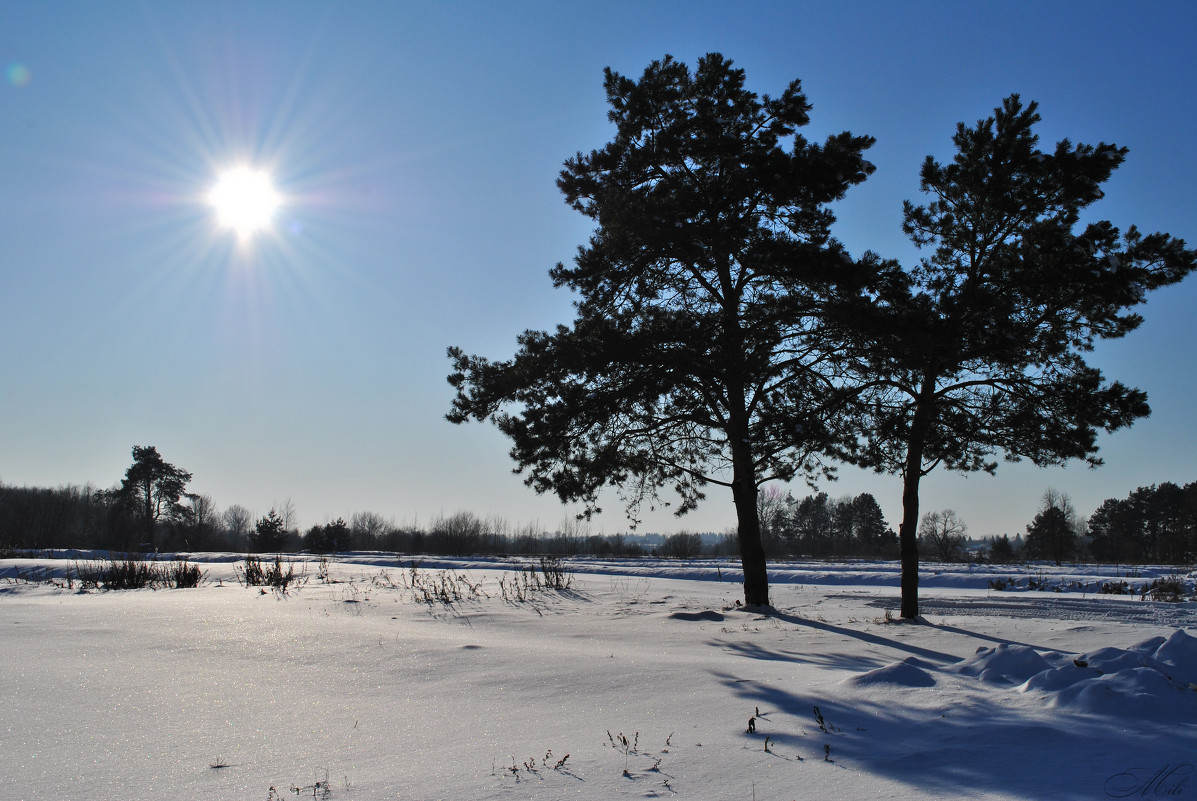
[(244, 200)]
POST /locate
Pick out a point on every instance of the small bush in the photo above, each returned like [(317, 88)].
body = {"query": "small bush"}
[(118, 574), (520, 587), (184, 575), (254, 574), (528, 581), (443, 586), (1038, 582), (128, 575), (556, 576), (1168, 588)]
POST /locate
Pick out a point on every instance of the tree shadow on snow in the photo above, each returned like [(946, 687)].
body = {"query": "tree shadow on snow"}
[(963, 746), (988, 638), (831, 661), (875, 640)]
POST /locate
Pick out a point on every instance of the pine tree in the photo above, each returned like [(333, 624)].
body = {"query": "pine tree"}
[(980, 349), (152, 490), (1001, 550), (700, 355), (870, 532), (1051, 535), (270, 534)]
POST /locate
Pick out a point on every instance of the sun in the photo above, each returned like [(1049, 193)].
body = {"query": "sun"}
[(244, 200)]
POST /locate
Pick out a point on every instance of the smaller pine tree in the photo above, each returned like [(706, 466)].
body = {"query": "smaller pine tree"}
[(1051, 536), (270, 534), (1001, 550)]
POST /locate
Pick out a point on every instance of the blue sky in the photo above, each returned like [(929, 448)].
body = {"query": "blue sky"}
[(416, 146)]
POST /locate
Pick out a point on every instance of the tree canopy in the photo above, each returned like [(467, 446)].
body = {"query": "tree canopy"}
[(152, 489), (699, 354)]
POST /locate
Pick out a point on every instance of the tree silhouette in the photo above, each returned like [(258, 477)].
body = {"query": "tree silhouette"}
[(980, 348), (269, 534), (944, 533), (152, 490), (699, 354), (1053, 532)]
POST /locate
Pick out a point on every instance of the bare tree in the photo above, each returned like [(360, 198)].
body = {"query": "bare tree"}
[(683, 545), (368, 528), (202, 519), (943, 533), (771, 504), (239, 522), (286, 513)]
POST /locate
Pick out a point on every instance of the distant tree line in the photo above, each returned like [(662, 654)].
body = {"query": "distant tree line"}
[(82, 518), (1152, 525), (818, 526), (151, 510)]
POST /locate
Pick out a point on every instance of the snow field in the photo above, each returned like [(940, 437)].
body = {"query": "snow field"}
[(139, 694)]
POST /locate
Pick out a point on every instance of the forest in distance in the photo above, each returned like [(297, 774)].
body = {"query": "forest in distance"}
[(152, 511)]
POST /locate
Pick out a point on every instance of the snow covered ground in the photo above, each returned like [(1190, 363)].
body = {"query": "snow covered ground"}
[(639, 681)]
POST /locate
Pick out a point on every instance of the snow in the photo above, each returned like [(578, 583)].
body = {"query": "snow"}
[(910, 672), (1004, 664), (223, 692)]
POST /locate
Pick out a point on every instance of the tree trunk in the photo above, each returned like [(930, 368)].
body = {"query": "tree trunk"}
[(748, 519), (752, 550), (148, 537), (908, 547), (739, 439)]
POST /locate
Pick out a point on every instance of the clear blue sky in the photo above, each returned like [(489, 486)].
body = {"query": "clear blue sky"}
[(417, 145)]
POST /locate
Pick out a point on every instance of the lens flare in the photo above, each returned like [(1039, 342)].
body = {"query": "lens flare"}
[(19, 74)]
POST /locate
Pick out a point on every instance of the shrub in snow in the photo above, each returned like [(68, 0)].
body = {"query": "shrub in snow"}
[(445, 587), (1166, 588), (556, 576), (525, 583), (254, 574), (135, 574), (184, 575)]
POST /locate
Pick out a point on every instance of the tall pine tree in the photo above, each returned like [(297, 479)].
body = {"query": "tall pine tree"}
[(699, 355), (979, 349)]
